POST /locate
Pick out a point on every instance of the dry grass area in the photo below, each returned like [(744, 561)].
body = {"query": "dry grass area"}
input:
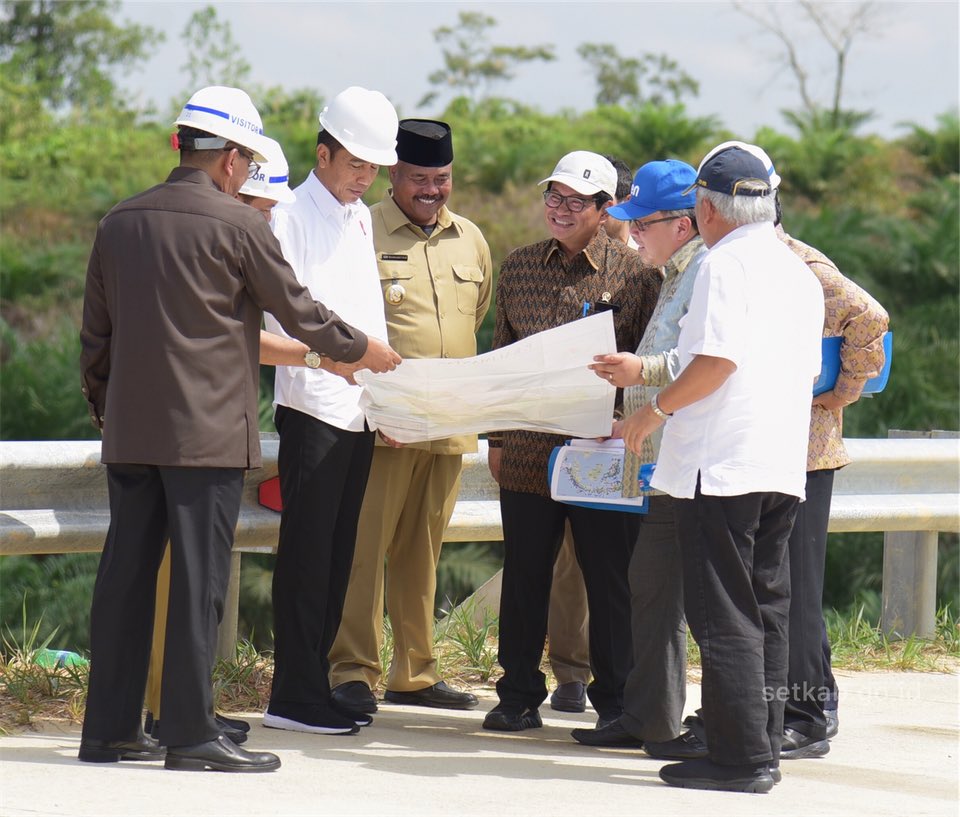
[(466, 648)]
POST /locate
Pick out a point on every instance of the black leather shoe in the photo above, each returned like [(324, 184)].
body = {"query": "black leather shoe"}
[(613, 735), (220, 755), (571, 697), (354, 696), (512, 720), (359, 718), (833, 722), (225, 729), (796, 745), (112, 751), (703, 773), (776, 774), (439, 696), (233, 723), (689, 746)]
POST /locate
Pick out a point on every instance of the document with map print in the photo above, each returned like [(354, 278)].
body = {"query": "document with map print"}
[(540, 383)]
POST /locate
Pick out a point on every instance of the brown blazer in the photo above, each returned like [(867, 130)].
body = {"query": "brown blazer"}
[(177, 282)]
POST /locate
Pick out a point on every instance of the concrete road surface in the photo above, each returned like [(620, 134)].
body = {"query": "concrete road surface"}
[(896, 754)]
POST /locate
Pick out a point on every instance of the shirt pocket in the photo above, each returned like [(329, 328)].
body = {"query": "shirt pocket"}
[(395, 280), (467, 279)]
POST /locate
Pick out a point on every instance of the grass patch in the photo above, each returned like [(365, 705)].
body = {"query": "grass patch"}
[(466, 649)]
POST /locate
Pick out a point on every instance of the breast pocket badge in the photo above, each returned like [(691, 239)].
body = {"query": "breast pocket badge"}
[(395, 294)]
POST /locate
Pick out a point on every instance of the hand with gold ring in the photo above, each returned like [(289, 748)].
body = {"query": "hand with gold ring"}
[(621, 369)]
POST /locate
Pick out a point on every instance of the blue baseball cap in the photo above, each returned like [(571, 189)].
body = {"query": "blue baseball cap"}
[(658, 186)]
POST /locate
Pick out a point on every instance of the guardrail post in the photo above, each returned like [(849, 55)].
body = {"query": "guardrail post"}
[(909, 584), (227, 634), (910, 572)]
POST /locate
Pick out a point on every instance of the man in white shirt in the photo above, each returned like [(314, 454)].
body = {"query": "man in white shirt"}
[(734, 455), (325, 448)]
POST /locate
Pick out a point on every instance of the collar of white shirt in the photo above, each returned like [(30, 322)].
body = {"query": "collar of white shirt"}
[(328, 205)]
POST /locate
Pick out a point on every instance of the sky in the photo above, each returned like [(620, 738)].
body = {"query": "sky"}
[(905, 69)]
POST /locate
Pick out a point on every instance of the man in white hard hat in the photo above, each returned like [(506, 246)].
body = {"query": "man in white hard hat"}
[(580, 269), (325, 446), (262, 191), (176, 284), (436, 279), (270, 185)]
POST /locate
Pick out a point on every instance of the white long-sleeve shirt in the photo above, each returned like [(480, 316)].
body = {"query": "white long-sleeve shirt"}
[(330, 247)]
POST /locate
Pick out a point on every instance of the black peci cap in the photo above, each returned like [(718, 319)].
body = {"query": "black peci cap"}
[(424, 142)]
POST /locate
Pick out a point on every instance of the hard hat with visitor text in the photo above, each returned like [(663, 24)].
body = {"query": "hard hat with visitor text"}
[(228, 113), (272, 181), (365, 123)]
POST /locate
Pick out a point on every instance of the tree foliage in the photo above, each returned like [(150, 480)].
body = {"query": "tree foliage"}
[(838, 25), (471, 63), (621, 79), (213, 56), (65, 52)]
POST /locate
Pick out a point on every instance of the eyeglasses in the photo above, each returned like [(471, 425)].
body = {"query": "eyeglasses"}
[(254, 167), (575, 204), (641, 226)]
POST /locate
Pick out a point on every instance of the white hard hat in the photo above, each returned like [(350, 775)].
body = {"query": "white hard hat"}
[(227, 113), (365, 123), (272, 180), (754, 150)]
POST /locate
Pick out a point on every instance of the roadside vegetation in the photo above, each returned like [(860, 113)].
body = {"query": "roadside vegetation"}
[(34, 688), (886, 210)]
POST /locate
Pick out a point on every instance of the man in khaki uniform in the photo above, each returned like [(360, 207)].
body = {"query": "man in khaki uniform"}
[(436, 274)]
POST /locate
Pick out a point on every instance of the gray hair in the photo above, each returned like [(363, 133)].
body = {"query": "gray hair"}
[(689, 213), (741, 210)]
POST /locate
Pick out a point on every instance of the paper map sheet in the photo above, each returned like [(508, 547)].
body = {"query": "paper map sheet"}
[(540, 383)]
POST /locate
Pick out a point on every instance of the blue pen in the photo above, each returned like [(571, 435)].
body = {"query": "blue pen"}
[(586, 309)]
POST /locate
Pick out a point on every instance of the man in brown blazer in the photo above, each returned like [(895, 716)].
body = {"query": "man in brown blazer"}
[(176, 285)]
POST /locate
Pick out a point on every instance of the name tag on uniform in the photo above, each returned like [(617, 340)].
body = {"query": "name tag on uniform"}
[(386, 256)]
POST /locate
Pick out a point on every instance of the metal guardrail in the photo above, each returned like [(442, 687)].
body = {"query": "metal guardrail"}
[(53, 499)]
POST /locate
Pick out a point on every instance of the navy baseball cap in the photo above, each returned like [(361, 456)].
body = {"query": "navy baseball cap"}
[(658, 186), (735, 172)]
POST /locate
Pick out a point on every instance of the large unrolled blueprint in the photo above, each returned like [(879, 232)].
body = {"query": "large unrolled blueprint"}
[(540, 383)]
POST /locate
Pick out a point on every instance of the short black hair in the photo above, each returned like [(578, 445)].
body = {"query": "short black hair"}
[(324, 138), (624, 176)]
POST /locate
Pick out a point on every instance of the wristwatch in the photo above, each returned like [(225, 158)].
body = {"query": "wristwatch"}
[(312, 359), (655, 405)]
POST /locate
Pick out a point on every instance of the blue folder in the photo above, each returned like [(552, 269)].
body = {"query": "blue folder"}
[(830, 367)]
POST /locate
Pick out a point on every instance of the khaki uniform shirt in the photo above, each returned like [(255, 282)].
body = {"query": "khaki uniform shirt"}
[(436, 291), (176, 286)]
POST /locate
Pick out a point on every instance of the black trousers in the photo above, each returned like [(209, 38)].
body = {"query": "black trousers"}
[(808, 687), (603, 541), (656, 688), (198, 509), (736, 585), (323, 475)]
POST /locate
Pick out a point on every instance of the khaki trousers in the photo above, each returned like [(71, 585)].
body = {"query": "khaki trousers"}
[(409, 500), (155, 673), (568, 625)]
